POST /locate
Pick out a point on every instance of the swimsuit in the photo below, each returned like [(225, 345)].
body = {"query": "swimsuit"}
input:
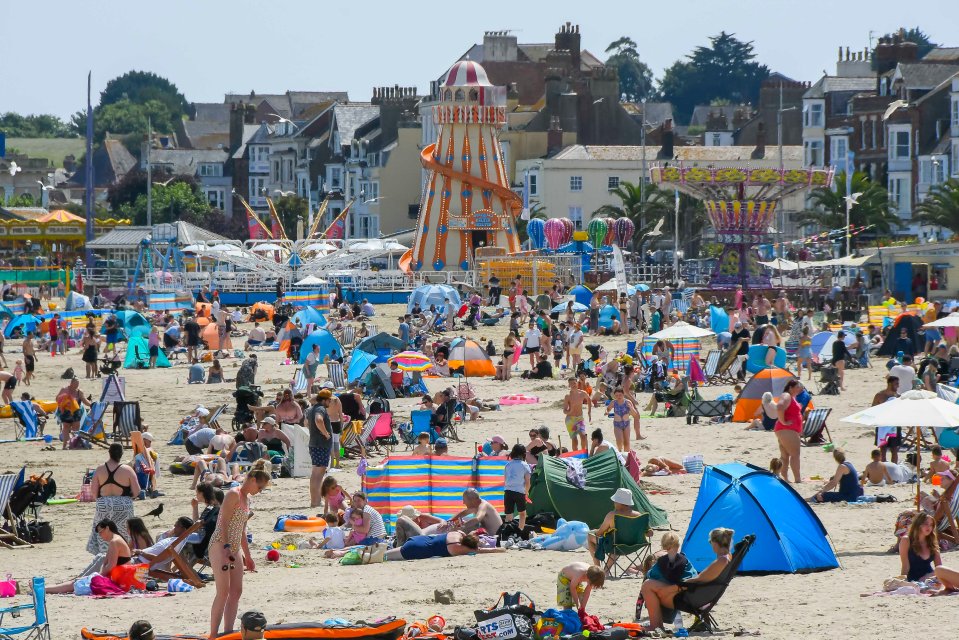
[(422, 547), (919, 567), (564, 598), (234, 528), (621, 415), (575, 424), (127, 490)]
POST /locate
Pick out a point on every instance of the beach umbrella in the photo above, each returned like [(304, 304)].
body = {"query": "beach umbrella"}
[(641, 287), (412, 361), (360, 361), (310, 281), (472, 358), (536, 230), (553, 230), (568, 229), (613, 285), (623, 229), (913, 409), (596, 230), (681, 330), (952, 320), (577, 307)]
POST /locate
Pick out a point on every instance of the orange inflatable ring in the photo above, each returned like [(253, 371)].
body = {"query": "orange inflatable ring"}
[(310, 525)]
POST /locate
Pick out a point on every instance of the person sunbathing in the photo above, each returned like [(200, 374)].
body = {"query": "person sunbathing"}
[(118, 553), (662, 467), (878, 473), (441, 545)]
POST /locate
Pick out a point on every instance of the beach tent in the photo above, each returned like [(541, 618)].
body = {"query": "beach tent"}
[(551, 491), (718, 319), (327, 344), (433, 294), (749, 500), (265, 307), (17, 305), (581, 295), (607, 314), (773, 380), (577, 307), (756, 358), (211, 336), (138, 354), (132, 323), (24, 323), (360, 362), (77, 301), (469, 356), (6, 312), (913, 326), (382, 341), (824, 353), (309, 315)]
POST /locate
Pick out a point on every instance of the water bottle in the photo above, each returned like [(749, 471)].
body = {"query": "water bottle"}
[(679, 631), (639, 607)]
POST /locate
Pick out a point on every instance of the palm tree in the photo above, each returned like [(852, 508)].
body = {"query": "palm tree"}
[(537, 211), (871, 206), (645, 206), (941, 206)]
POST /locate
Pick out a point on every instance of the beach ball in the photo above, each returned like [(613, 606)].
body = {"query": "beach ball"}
[(623, 229), (568, 228), (273, 555), (596, 230), (553, 230), (536, 230)]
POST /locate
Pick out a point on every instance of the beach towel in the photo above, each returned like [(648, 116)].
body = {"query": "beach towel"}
[(116, 508), (575, 472)]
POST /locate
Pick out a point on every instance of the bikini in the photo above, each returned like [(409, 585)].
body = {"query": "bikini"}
[(620, 415), (234, 528)]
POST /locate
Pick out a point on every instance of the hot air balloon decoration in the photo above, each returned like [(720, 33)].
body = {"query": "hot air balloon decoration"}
[(610, 235), (596, 229), (623, 229), (553, 229), (568, 229), (536, 230)]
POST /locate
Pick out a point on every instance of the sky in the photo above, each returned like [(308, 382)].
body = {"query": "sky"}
[(211, 47)]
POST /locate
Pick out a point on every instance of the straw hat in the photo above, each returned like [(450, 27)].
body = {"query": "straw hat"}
[(623, 496), (409, 511)]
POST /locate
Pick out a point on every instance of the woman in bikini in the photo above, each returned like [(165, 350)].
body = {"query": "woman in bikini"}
[(114, 487), (441, 545), (117, 553), (91, 347), (229, 551), (622, 410)]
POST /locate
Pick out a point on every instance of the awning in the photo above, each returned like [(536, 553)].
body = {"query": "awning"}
[(780, 264)]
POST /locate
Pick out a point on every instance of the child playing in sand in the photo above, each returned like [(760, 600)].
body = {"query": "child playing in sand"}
[(334, 498), (574, 584), (423, 447)]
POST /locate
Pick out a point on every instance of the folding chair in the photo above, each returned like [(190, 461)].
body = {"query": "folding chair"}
[(126, 419), (947, 512), (381, 432), (813, 427), (420, 423), (334, 371), (8, 534), (299, 382), (350, 440), (183, 569), (372, 329), (39, 629), (711, 367), (828, 383), (214, 417), (91, 429), (348, 336), (25, 420), (448, 427), (626, 545), (365, 435)]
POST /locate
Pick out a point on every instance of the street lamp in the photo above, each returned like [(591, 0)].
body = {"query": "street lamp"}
[(779, 140)]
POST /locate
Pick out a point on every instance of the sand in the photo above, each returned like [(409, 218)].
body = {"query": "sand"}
[(821, 605)]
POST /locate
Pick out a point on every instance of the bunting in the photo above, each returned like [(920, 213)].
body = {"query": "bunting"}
[(827, 236)]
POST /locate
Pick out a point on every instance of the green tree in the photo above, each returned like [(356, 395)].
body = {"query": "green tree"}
[(292, 209), (915, 34), (22, 200), (724, 70), (645, 207), (871, 206), (635, 77), (131, 121), (144, 87), (536, 212), (178, 200), (34, 126), (941, 206)]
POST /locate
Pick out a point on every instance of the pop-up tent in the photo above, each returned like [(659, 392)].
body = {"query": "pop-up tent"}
[(550, 490), (772, 380), (21, 325), (131, 323), (138, 354), (382, 341), (77, 301), (327, 342), (581, 295), (749, 500), (436, 294), (309, 315)]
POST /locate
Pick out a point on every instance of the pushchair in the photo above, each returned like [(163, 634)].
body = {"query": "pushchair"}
[(245, 397), (828, 381), (31, 496)]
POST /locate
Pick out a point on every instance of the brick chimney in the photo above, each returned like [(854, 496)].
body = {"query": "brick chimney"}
[(666, 152), (240, 114), (893, 50), (760, 151), (567, 39), (554, 136)]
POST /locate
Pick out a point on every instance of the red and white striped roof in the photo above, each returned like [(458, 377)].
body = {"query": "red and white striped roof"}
[(466, 73)]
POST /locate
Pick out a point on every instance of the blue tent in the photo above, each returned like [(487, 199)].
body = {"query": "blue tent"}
[(577, 307), (607, 314), (789, 536), (25, 323), (581, 294), (360, 361), (382, 341), (131, 323), (5, 312), (138, 354), (718, 319), (309, 315), (433, 294), (326, 341)]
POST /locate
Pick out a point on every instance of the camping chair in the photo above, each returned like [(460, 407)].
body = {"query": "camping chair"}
[(26, 422), (39, 629), (699, 599), (334, 371), (828, 383), (813, 426), (181, 568), (91, 430), (627, 544), (378, 430), (126, 419), (8, 534), (420, 423), (299, 382)]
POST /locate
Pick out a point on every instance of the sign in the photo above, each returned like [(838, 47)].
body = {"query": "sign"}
[(64, 231), (114, 388), (499, 628), (24, 231), (619, 271)]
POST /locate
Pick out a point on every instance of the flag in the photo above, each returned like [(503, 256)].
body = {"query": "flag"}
[(276, 227), (254, 225), (337, 228)]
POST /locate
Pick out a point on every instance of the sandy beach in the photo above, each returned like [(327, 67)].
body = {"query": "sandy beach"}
[(821, 605)]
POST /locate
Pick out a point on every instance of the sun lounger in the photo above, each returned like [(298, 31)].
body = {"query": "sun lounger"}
[(813, 427)]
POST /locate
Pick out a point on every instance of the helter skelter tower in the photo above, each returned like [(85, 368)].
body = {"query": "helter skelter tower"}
[(741, 204), (467, 202)]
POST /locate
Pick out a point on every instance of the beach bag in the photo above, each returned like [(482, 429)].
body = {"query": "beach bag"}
[(563, 621), (8, 587), (507, 619), (693, 463)]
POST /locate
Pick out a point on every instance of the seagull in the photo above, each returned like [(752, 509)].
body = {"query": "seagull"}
[(373, 200), (163, 184), (894, 106), (853, 199), (658, 229), (44, 187), (285, 194), (14, 168)]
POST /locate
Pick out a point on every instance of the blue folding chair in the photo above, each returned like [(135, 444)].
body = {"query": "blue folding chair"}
[(421, 424), (39, 629), (25, 419), (91, 428), (631, 348)]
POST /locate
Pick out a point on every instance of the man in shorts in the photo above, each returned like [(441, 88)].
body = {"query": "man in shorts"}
[(573, 409), (321, 441)]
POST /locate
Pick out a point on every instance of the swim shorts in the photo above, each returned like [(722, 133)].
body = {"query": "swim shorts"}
[(564, 598), (575, 424), (320, 456)]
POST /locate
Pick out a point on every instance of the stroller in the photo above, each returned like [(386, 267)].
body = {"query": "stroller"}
[(245, 396), (828, 381), (31, 496)]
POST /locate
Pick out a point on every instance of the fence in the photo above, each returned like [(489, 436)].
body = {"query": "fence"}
[(538, 272)]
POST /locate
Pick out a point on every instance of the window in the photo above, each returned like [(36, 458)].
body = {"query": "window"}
[(336, 178), (576, 215), (839, 147), (210, 170), (612, 183), (717, 140), (372, 159), (812, 114), (933, 170), (955, 157), (955, 112), (812, 153), (215, 198), (259, 153), (275, 172), (257, 187), (576, 183), (899, 144), (900, 194), (533, 184), (474, 95), (373, 193), (288, 170), (875, 139)]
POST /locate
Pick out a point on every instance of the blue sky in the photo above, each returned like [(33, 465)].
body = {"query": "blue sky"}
[(210, 47)]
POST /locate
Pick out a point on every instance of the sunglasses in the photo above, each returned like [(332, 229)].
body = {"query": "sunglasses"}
[(231, 559)]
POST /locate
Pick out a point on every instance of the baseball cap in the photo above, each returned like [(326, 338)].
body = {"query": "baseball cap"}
[(253, 621), (441, 442), (269, 419), (328, 385), (498, 440)]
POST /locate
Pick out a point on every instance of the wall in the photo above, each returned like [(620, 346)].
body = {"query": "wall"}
[(399, 183)]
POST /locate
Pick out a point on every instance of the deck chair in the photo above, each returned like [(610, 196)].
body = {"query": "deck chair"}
[(699, 599), (126, 419), (626, 545), (348, 336), (350, 440), (214, 418), (372, 329), (813, 427), (181, 568), (377, 431), (946, 514), (25, 420), (39, 629), (711, 366), (420, 423), (8, 534), (299, 382), (91, 429), (334, 371)]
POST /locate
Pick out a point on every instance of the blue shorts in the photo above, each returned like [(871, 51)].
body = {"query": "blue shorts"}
[(320, 456)]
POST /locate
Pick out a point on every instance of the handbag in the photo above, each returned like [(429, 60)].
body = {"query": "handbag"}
[(8, 587), (507, 619)]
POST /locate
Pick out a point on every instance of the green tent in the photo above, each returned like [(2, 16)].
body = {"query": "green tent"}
[(138, 354), (551, 491)]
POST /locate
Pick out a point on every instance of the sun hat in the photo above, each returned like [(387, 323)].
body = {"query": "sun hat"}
[(409, 511), (623, 496), (202, 412), (269, 419), (146, 435), (498, 440)]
